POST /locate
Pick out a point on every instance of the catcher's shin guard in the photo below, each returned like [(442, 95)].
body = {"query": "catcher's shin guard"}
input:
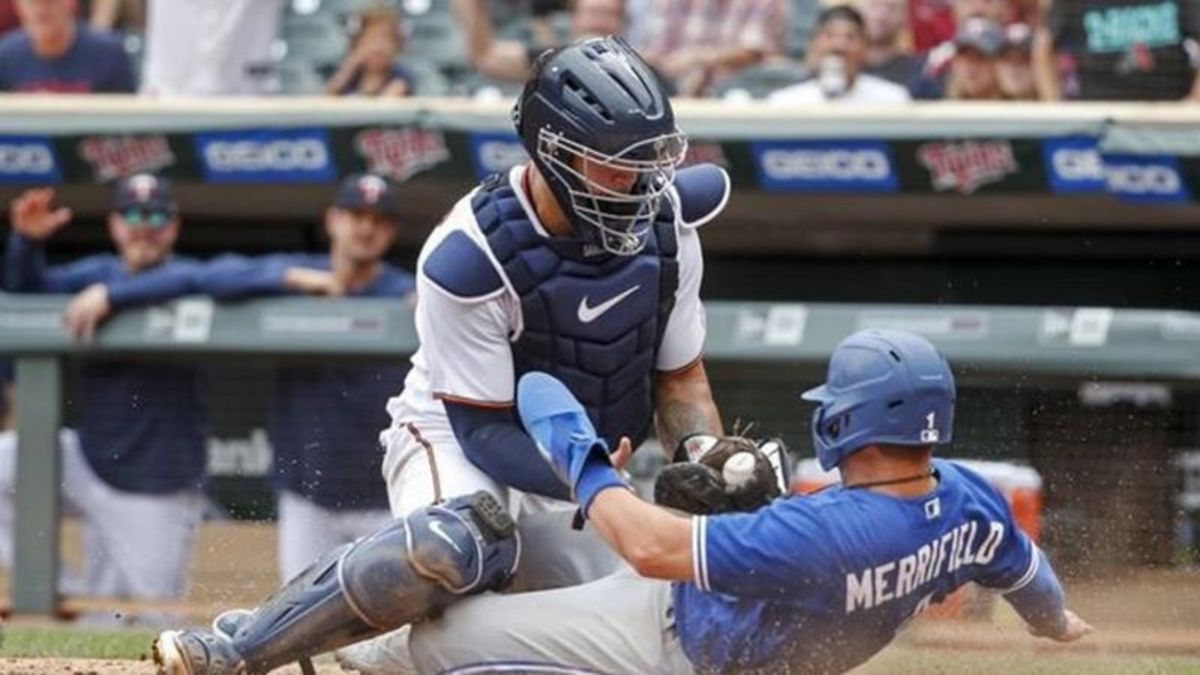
[(410, 569)]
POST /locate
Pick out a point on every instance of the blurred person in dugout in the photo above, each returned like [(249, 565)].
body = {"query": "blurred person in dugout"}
[(889, 44), (696, 44), (326, 416), (512, 60), (53, 52), (210, 47), (836, 54), (135, 476), (370, 69), (1118, 50)]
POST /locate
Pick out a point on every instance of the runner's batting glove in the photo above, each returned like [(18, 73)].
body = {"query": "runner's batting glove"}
[(560, 427), (722, 474)]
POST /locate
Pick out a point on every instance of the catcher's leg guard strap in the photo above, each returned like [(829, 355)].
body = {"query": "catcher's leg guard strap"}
[(410, 569)]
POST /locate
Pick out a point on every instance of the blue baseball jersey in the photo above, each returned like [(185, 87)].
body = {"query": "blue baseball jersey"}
[(326, 418), (821, 583), (142, 424)]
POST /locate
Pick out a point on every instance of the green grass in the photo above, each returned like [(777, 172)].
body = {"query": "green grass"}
[(81, 643), (74, 642)]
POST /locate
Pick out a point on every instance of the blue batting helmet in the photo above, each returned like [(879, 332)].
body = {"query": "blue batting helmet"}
[(886, 387), (597, 100)]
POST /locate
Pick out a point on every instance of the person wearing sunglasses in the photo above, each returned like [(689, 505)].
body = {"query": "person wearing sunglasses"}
[(142, 425)]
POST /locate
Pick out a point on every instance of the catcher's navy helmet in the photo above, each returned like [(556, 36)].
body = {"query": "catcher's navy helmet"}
[(597, 101), (886, 387)]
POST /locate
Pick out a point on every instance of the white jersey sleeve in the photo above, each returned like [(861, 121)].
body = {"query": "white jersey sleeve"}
[(466, 352), (683, 340), (465, 345)]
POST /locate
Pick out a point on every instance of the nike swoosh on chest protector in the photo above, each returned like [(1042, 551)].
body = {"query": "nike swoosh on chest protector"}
[(589, 314)]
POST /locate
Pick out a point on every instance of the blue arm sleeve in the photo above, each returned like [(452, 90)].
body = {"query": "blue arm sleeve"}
[(231, 277), (1040, 601), (170, 280), (25, 269), (494, 442), (24, 264)]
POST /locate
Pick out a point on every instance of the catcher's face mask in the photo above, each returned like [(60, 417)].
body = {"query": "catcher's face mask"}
[(614, 198)]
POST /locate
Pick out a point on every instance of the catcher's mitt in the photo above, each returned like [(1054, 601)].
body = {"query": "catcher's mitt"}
[(701, 483)]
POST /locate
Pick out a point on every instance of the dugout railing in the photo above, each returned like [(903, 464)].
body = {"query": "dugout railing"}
[(1067, 352)]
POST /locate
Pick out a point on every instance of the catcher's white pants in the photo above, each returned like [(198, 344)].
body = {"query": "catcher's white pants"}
[(422, 467), (622, 623), (308, 530), (136, 546)]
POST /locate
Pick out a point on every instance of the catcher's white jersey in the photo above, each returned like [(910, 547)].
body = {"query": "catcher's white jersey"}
[(466, 346)]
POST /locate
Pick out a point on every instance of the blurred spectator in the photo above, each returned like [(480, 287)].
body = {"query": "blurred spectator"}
[(888, 54), (697, 43), (370, 69), (9, 19), (836, 55), (210, 47), (936, 22), (142, 429), (1118, 50), (54, 53), (512, 59), (1014, 68), (970, 74)]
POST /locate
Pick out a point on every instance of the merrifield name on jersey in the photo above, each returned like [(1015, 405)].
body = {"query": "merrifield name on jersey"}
[(896, 579)]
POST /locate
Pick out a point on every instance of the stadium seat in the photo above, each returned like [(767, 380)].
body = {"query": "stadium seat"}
[(319, 38)]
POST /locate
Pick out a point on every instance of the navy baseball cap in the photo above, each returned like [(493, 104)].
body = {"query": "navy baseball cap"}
[(145, 193), (368, 192), (980, 35)]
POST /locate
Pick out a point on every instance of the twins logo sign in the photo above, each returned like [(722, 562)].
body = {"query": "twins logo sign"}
[(114, 157), (968, 165), (28, 159), (401, 153), (824, 166), (266, 156)]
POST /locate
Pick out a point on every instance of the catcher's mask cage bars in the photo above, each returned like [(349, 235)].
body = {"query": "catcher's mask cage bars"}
[(623, 219)]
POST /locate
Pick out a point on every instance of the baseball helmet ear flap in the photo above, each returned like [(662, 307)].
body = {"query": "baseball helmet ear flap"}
[(884, 387)]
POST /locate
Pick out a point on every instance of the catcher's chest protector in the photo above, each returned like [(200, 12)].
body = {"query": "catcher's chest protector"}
[(594, 322)]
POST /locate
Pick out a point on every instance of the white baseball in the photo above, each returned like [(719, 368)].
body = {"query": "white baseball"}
[(738, 469)]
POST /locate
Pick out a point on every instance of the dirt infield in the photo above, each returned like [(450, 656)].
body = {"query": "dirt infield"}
[(108, 667)]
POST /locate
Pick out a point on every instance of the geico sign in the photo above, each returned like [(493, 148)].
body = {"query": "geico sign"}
[(25, 158), (826, 164), (498, 155), (1142, 179), (1078, 165), (304, 154)]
